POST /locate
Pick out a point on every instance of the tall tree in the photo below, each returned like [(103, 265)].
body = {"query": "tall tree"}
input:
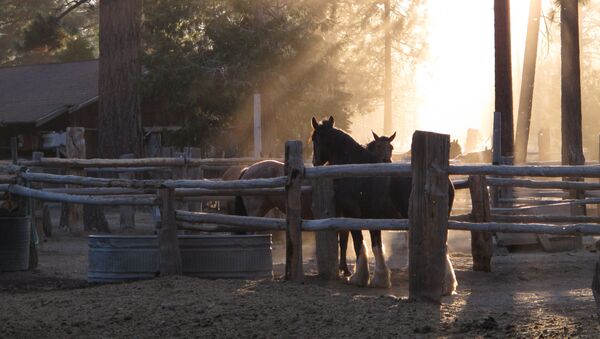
[(119, 109), (387, 77), (572, 147), (119, 114), (527, 81), (503, 71)]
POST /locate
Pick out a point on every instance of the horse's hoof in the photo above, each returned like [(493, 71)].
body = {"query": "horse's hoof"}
[(382, 279), (345, 271), (359, 280), (450, 283)]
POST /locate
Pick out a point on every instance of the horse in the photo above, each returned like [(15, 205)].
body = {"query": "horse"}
[(259, 206), (400, 194), (455, 151), (400, 188), (381, 147), (356, 197)]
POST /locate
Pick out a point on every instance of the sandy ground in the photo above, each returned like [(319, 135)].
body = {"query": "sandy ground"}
[(545, 295)]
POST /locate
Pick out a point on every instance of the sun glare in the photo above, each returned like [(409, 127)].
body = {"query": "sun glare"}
[(454, 83)]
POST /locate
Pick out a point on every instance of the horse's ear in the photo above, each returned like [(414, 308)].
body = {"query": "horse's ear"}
[(331, 120), (375, 135), (314, 122), (392, 137)]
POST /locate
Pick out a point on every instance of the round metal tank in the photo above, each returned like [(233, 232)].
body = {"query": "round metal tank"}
[(15, 233), (122, 258)]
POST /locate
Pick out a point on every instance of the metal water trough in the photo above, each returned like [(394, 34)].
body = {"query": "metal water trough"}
[(15, 235), (115, 258)]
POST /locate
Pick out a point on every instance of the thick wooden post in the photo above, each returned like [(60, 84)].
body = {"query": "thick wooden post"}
[(168, 245), (481, 242), (323, 207), (428, 214), (294, 169)]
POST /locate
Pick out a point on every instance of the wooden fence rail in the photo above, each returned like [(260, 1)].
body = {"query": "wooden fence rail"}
[(592, 171), (542, 184), (139, 162), (81, 199)]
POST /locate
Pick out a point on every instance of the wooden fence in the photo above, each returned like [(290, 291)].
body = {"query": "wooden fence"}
[(428, 222)]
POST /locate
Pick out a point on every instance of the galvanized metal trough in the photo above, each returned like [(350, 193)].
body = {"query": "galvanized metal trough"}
[(117, 258), (15, 235)]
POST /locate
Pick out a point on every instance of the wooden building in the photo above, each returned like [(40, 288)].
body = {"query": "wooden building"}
[(38, 103)]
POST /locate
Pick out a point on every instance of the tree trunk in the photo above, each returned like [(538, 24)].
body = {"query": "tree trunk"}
[(572, 149), (387, 78), (503, 71), (571, 145), (119, 116), (527, 82), (119, 111)]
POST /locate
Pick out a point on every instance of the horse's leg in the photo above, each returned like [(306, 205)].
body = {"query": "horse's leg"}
[(361, 274), (382, 274), (450, 283), (343, 249)]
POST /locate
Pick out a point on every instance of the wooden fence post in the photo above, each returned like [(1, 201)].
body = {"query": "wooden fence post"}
[(127, 213), (481, 242), (294, 169), (323, 207), (14, 149), (38, 206), (75, 148), (428, 214), (596, 285), (168, 245)]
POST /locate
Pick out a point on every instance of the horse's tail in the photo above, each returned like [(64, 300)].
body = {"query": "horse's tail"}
[(451, 194), (238, 206)]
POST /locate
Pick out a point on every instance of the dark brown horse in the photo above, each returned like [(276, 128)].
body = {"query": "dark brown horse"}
[(399, 191), (356, 197), (382, 148)]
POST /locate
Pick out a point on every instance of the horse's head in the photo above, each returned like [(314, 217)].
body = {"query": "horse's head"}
[(381, 147), (319, 140), (455, 149)]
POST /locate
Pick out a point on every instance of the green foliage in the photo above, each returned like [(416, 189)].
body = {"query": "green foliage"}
[(76, 49), (43, 34), (206, 61), (37, 31)]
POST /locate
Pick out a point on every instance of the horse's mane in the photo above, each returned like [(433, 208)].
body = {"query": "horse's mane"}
[(346, 149)]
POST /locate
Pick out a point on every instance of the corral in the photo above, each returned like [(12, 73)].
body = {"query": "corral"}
[(530, 294)]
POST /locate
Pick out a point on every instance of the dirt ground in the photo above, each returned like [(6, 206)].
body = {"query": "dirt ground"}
[(541, 295)]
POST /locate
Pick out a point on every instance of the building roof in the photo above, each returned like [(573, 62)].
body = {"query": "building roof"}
[(39, 93)]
